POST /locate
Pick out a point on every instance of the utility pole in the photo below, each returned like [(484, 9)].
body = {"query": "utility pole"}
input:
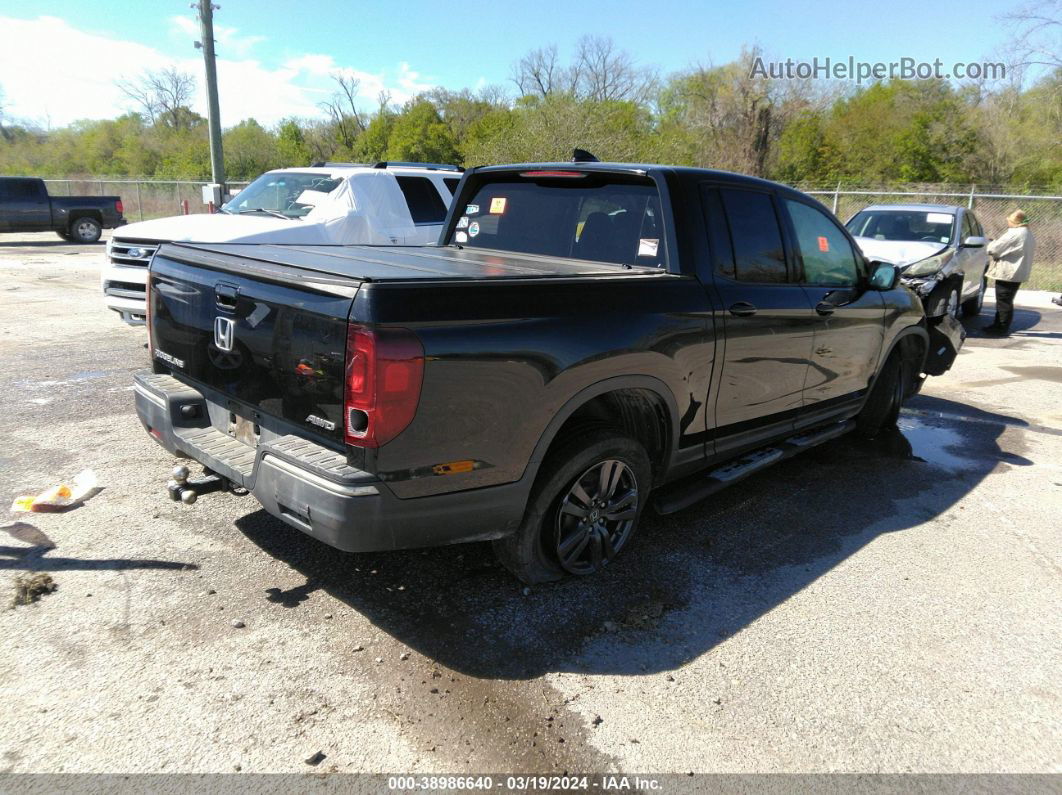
[(206, 35)]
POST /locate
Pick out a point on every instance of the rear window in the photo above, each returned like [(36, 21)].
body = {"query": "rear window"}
[(452, 185), (425, 204), (591, 217)]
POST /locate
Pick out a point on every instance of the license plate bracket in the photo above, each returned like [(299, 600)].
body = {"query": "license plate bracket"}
[(244, 430)]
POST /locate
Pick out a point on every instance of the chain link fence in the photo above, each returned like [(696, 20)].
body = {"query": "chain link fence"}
[(144, 199)]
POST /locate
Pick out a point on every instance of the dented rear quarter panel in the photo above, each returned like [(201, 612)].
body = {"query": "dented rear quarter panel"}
[(503, 359)]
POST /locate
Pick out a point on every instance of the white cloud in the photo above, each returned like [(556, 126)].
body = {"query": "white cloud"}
[(44, 76), (228, 41)]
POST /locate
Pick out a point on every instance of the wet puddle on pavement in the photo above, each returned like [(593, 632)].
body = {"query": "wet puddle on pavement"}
[(933, 444)]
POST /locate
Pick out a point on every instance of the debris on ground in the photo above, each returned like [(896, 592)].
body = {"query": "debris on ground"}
[(31, 587), (644, 615), (62, 497), (317, 758), (237, 624)]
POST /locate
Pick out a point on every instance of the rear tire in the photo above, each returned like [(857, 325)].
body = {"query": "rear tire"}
[(882, 408), (972, 306), (85, 230), (583, 510)]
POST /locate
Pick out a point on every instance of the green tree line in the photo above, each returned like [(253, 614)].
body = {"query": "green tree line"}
[(713, 116)]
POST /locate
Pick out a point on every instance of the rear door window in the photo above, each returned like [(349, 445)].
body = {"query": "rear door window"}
[(599, 217), (759, 255), (425, 204), (452, 185)]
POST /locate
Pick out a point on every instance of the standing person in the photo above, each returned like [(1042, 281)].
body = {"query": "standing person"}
[(1012, 256)]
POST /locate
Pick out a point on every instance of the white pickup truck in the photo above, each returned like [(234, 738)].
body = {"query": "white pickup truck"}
[(330, 203)]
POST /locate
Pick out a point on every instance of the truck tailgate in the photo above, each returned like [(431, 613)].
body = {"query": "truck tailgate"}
[(271, 340)]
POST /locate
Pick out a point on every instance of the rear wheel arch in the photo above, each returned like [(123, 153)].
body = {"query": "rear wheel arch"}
[(95, 215), (642, 407)]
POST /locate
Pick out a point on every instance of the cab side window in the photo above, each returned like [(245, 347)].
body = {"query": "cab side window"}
[(21, 189), (755, 235), (826, 253)]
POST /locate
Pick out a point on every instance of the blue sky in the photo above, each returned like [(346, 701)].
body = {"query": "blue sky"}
[(276, 56)]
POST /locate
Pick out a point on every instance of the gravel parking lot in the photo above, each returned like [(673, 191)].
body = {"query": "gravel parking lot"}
[(884, 607)]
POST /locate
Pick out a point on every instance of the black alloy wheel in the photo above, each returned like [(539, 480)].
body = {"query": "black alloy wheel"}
[(596, 517)]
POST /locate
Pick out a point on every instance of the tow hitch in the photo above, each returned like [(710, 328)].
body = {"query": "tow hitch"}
[(183, 488)]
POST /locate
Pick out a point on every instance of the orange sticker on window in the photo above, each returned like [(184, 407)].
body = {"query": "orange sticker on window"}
[(824, 244), (497, 205)]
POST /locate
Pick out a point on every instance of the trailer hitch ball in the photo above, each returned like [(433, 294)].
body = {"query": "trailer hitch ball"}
[(181, 473), (188, 496)]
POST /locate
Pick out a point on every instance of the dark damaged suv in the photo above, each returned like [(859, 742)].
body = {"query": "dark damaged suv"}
[(586, 335)]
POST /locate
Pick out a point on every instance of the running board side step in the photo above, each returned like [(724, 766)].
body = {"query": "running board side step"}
[(670, 500)]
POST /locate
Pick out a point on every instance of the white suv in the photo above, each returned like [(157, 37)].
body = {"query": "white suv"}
[(940, 250), (329, 203)]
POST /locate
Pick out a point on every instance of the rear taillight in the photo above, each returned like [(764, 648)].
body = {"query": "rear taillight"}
[(385, 368), (118, 207)]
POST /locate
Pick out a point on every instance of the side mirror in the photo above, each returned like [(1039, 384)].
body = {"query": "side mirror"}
[(883, 276), (974, 241)]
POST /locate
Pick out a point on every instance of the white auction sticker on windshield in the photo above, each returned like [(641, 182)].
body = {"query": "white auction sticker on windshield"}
[(938, 218), (461, 237), (462, 222), (647, 246), (472, 209)]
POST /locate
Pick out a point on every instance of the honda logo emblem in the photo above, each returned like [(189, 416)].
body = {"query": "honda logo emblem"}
[(224, 333)]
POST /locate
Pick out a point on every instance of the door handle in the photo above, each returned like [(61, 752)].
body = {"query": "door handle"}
[(825, 308), (225, 296), (742, 309)]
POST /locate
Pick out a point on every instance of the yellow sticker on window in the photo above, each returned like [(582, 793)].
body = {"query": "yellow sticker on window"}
[(497, 205)]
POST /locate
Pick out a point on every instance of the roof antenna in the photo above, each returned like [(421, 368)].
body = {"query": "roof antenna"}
[(582, 156)]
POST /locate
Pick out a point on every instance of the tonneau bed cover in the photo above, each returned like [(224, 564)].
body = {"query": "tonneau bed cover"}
[(402, 263)]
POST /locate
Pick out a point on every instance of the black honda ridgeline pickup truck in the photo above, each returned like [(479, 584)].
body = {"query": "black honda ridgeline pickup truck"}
[(585, 334)]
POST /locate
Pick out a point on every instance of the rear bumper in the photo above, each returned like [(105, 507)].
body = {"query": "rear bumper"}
[(312, 488), (125, 291)]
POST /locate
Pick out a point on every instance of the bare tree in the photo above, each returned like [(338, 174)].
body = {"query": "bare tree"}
[(733, 118), (163, 95), (342, 110), (599, 72), (603, 73), (1037, 34), (540, 73), (494, 95)]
